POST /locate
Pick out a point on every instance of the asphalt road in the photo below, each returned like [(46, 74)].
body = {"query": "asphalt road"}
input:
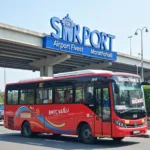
[(13, 140)]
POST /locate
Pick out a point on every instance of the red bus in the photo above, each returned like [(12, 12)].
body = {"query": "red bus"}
[(87, 103)]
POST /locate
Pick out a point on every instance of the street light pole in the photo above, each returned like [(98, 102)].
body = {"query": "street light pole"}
[(139, 54), (136, 33), (4, 77), (142, 56), (137, 71), (137, 67), (130, 44)]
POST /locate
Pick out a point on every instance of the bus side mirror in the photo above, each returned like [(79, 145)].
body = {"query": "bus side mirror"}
[(110, 81), (116, 88), (145, 83)]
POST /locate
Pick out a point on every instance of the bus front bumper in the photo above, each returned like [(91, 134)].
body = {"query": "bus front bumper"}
[(129, 132)]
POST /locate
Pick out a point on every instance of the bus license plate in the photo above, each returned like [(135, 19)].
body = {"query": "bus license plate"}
[(136, 132)]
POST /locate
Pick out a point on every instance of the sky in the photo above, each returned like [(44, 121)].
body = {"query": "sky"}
[(120, 18)]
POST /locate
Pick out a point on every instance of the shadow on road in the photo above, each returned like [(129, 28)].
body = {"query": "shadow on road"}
[(62, 142)]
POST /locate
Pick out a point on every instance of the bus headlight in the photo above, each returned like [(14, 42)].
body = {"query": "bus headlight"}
[(145, 122), (119, 123)]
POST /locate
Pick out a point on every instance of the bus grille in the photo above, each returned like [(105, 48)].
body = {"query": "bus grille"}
[(10, 122), (134, 125)]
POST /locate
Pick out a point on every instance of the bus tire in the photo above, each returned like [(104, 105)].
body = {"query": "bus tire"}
[(26, 129), (85, 135)]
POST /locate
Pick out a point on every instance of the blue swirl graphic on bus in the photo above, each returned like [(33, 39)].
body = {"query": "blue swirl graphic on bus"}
[(42, 120), (20, 110)]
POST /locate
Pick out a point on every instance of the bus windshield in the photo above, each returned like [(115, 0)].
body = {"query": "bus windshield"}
[(128, 93)]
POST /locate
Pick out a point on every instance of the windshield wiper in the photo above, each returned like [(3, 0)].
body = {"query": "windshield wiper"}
[(130, 109)]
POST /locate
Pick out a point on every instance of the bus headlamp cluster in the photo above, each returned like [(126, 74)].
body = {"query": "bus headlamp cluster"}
[(145, 122), (119, 123)]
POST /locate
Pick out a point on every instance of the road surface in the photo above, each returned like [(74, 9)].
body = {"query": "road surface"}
[(13, 140)]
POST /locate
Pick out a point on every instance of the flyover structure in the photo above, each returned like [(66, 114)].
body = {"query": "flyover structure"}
[(23, 49)]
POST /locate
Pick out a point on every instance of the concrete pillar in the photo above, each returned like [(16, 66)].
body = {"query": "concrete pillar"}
[(41, 71), (46, 71)]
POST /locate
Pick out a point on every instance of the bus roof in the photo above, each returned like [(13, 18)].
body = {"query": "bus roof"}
[(75, 73), (67, 74), (81, 72)]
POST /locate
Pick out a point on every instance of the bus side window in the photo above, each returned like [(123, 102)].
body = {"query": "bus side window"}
[(57, 97), (106, 104), (44, 96), (98, 97), (79, 94), (106, 98), (84, 93), (63, 94), (27, 96), (12, 96), (68, 97)]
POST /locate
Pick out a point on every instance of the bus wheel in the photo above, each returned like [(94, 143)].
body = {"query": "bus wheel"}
[(119, 139), (85, 135), (26, 129)]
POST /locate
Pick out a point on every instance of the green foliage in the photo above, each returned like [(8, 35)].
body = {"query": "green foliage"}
[(1, 97), (147, 98), (79, 94)]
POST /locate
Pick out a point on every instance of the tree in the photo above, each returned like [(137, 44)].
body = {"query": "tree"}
[(1, 97), (147, 98)]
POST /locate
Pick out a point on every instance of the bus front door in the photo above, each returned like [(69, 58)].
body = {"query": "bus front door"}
[(103, 111)]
